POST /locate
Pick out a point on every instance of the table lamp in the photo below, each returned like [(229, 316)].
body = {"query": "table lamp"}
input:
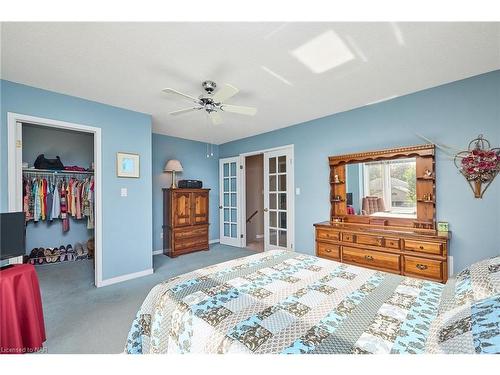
[(173, 166)]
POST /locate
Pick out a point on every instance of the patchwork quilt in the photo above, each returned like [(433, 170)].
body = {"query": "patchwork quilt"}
[(286, 302)]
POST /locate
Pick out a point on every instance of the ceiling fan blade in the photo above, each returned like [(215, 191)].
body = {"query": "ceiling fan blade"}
[(185, 110), (242, 110), (215, 117), (172, 91), (227, 91)]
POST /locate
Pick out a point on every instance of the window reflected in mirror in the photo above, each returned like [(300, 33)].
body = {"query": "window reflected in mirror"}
[(382, 188)]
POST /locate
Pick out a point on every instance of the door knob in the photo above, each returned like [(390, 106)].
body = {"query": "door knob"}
[(220, 207), (265, 210)]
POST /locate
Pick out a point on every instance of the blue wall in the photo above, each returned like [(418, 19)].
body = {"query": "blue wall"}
[(196, 165), (353, 185), (127, 221), (451, 114), (74, 148)]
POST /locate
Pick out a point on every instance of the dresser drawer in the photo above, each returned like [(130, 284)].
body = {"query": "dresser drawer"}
[(328, 250), (200, 242), (424, 247), (327, 234), (347, 237), (369, 240), (426, 268), (370, 258), (193, 231), (393, 243)]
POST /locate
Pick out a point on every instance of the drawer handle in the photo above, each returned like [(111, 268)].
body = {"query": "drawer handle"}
[(328, 250), (421, 267), (368, 257), (421, 247)]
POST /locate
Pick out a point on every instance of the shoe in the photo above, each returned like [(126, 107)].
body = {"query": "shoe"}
[(56, 255), (91, 247), (70, 252), (40, 255), (62, 251), (33, 255), (80, 252), (48, 255)]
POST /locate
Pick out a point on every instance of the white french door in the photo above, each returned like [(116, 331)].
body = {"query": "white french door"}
[(229, 182), (278, 200)]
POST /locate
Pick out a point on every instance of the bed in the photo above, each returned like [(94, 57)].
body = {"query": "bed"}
[(285, 302)]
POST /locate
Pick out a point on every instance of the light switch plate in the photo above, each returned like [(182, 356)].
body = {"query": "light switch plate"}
[(123, 192), (297, 191)]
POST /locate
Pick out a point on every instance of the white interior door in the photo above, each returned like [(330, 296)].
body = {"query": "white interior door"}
[(229, 182), (278, 200)]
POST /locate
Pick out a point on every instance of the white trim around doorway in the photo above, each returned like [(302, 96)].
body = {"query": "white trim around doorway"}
[(14, 163)]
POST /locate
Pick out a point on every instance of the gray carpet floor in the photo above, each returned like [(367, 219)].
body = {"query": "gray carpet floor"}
[(80, 318)]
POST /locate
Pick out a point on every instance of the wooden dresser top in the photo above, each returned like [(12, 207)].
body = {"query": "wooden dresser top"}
[(381, 230)]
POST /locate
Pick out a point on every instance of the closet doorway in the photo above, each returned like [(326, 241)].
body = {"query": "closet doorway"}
[(63, 207)]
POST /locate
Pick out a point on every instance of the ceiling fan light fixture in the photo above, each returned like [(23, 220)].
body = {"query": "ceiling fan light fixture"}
[(213, 103)]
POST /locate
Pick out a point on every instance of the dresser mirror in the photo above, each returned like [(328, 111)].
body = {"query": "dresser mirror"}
[(382, 188), (394, 187)]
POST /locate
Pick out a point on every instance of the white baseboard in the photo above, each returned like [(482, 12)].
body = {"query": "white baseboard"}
[(126, 277), (259, 236), (216, 240)]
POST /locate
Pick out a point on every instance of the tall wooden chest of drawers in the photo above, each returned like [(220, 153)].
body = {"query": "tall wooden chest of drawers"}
[(406, 252), (185, 221)]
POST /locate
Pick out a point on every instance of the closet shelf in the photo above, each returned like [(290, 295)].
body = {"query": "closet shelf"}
[(64, 172)]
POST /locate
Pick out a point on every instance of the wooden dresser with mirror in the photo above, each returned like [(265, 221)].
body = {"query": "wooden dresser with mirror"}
[(383, 213)]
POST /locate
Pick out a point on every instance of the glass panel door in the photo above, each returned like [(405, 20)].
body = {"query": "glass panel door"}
[(228, 205), (278, 200)]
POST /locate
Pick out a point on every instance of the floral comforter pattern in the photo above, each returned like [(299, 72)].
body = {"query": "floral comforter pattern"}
[(285, 302)]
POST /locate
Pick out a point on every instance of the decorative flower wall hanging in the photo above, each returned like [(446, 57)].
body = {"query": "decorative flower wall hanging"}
[(479, 165)]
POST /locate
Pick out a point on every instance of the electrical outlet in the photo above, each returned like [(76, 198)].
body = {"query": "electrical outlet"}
[(161, 235)]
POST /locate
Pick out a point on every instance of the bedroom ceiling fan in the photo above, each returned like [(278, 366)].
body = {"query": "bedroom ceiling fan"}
[(212, 102)]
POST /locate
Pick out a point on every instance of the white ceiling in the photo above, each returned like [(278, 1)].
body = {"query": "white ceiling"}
[(128, 64)]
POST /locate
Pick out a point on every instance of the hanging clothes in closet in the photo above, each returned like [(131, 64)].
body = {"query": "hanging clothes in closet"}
[(50, 197)]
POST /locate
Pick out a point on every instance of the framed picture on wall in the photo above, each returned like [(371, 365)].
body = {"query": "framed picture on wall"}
[(127, 165)]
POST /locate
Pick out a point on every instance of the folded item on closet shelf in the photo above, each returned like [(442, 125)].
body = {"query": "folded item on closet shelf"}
[(42, 162), (75, 168)]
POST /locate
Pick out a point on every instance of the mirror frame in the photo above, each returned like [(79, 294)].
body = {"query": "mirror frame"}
[(426, 186)]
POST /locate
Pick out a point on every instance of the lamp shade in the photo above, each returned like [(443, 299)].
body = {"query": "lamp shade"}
[(173, 166)]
